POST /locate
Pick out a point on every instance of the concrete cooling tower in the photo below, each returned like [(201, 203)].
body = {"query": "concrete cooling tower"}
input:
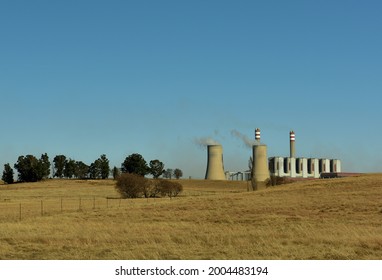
[(260, 170), (215, 167)]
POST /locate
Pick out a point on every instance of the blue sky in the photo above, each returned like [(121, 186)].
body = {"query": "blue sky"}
[(85, 78)]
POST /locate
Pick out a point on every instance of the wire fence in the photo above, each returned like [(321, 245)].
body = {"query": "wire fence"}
[(11, 210), (20, 209)]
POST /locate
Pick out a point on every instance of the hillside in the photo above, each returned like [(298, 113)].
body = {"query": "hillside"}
[(320, 219)]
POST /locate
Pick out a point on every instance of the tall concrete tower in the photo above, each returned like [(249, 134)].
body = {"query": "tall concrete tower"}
[(292, 146), (260, 169), (215, 166)]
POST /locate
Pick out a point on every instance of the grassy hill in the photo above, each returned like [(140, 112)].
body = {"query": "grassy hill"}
[(69, 219)]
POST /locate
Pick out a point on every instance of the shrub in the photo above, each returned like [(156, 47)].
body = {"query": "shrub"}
[(169, 188), (277, 180), (131, 185)]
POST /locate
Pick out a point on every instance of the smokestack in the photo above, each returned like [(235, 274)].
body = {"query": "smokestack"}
[(215, 167), (260, 170), (257, 135), (292, 146)]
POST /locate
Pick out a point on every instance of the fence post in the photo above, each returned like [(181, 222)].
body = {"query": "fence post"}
[(20, 213), (93, 202), (61, 204), (79, 206), (42, 208)]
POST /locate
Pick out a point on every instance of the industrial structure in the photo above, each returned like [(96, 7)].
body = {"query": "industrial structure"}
[(215, 166), (260, 171), (264, 167), (301, 167)]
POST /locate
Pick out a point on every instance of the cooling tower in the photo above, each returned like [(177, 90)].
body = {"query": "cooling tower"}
[(260, 170), (292, 142), (215, 167), (260, 163)]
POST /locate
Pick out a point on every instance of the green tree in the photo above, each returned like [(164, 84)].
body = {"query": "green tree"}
[(168, 173), (30, 169), (116, 173), (136, 164), (59, 165), (178, 173), (7, 174), (81, 170), (156, 168), (45, 166), (70, 168), (95, 171), (104, 166)]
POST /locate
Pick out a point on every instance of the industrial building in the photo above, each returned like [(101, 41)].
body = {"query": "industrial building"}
[(264, 167), (301, 167)]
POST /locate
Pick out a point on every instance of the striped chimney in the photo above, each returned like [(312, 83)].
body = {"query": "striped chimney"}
[(292, 144), (257, 134)]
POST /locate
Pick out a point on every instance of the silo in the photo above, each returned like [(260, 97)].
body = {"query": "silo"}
[(260, 168), (215, 167)]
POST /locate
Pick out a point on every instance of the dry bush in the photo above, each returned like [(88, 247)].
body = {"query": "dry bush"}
[(276, 180), (131, 185), (168, 188)]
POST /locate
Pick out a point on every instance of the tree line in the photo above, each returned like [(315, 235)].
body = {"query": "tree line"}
[(32, 169)]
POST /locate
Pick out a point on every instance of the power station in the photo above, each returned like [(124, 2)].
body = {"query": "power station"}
[(264, 167), (301, 167)]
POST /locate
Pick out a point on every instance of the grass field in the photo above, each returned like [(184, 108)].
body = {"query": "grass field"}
[(68, 219)]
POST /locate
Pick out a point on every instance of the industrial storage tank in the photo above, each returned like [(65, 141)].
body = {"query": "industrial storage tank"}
[(215, 166)]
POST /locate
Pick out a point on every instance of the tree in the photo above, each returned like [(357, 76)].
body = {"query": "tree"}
[(59, 165), (7, 174), (156, 168), (82, 170), (136, 164), (168, 173), (45, 166), (178, 173), (116, 173), (70, 168), (30, 169), (95, 169), (104, 166)]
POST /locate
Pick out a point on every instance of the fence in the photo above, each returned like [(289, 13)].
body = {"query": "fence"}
[(18, 208), (11, 210)]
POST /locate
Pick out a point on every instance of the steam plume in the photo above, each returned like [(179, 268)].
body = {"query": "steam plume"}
[(246, 140), (205, 141)]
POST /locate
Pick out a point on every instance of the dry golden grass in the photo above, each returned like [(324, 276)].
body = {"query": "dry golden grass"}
[(323, 219)]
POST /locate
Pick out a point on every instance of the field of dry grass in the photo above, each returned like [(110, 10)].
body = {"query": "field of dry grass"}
[(322, 219)]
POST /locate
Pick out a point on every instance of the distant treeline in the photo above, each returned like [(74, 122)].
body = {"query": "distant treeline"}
[(32, 169)]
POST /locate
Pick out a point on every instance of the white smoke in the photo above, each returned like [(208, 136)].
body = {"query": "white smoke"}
[(246, 140), (203, 142)]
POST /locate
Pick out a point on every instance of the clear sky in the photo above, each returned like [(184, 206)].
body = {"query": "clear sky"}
[(85, 78)]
